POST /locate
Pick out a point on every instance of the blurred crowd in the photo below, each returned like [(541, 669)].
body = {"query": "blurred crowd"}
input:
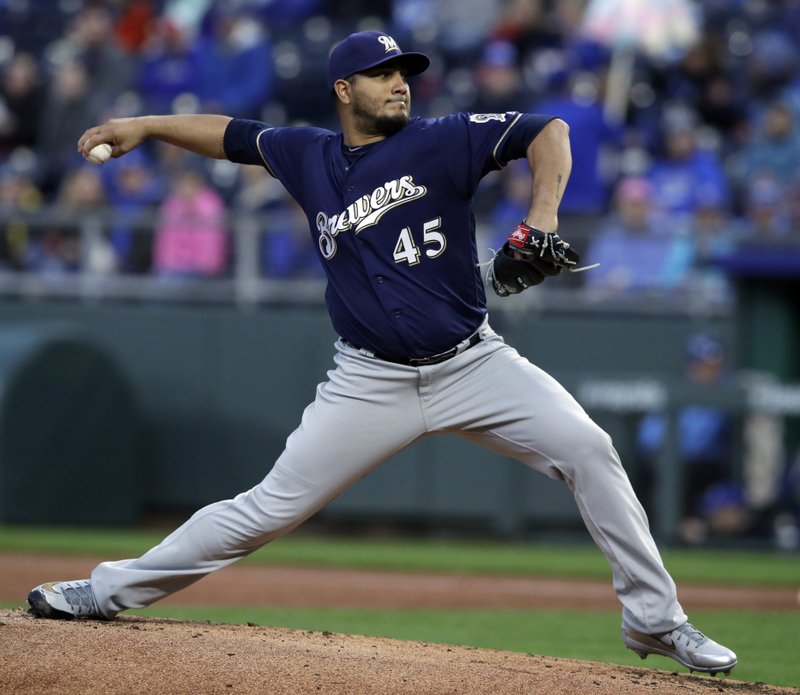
[(698, 157)]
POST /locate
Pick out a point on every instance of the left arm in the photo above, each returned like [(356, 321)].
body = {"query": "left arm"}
[(534, 251), (550, 160)]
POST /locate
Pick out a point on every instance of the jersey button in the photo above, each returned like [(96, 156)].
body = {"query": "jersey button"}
[(379, 278), (396, 313), (351, 188)]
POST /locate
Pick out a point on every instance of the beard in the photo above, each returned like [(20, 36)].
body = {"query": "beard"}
[(369, 121)]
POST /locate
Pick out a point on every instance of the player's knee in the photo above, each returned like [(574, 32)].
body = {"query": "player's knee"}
[(262, 515), (591, 443)]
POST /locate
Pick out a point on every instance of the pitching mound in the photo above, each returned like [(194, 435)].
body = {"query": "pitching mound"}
[(146, 655)]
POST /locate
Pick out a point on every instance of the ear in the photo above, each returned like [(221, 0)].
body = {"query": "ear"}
[(342, 91)]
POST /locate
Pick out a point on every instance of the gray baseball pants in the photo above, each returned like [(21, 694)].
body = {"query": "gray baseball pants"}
[(369, 410)]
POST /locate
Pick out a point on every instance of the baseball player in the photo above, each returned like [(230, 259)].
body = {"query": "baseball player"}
[(388, 201)]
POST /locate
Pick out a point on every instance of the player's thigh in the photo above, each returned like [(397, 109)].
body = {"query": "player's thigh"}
[(529, 415), (362, 415)]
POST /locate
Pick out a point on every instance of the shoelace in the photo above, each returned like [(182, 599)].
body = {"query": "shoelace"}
[(80, 598), (690, 633)]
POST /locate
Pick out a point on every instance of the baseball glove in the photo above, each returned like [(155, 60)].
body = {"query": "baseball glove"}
[(528, 258)]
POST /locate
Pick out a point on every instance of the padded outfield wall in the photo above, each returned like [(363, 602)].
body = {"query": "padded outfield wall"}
[(214, 392)]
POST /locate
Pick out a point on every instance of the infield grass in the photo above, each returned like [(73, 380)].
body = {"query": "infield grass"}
[(578, 560)]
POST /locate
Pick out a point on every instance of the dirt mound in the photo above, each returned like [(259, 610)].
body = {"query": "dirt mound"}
[(147, 655)]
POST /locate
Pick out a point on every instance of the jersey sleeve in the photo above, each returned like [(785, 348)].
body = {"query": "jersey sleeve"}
[(281, 151), (241, 141), (477, 143)]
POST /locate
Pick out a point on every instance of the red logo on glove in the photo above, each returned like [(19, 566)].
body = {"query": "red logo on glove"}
[(519, 236)]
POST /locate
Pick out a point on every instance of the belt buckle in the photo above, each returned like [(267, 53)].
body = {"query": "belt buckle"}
[(473, 340), (432, 359)]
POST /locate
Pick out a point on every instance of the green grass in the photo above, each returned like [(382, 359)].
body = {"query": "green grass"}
[(464, 557)]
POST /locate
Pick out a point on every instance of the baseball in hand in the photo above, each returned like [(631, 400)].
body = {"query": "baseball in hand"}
[(99, 154)]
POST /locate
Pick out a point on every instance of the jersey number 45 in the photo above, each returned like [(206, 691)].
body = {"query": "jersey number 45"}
[(406, 249)]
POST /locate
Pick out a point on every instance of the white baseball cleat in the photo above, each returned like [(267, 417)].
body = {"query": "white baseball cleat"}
[(65, 600), (687, 645)]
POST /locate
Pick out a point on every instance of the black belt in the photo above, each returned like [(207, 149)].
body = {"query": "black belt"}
[(464, 345)]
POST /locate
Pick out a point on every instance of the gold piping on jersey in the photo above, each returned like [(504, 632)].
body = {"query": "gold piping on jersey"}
[(261, 153), (503, 137)]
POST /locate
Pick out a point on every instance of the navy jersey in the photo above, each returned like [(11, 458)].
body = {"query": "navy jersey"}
[(393, 220)]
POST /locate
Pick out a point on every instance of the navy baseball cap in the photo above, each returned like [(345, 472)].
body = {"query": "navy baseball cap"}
[(368, 49), (705, 347)]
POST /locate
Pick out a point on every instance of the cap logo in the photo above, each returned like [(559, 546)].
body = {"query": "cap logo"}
[(365, 50), (389, 43)]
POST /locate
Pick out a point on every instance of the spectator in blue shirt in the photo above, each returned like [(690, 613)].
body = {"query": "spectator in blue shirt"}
[(237, 71), (498, 80), (578, 103), (705, 435), (134, 188), (169, 66), (773, 152), (766, 218), (634, 247), (683, 166)]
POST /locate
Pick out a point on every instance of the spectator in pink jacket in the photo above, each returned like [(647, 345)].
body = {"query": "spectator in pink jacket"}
[(191, 236)]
